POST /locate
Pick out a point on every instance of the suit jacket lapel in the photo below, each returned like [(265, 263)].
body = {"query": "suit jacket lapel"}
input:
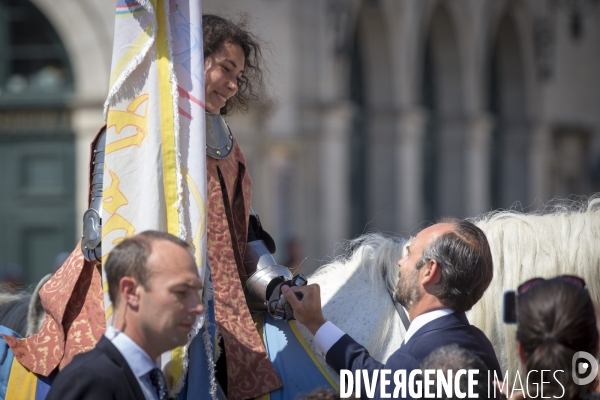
[(115, 356)]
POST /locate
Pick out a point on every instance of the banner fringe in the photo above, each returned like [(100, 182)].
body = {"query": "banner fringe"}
[(202, 322), (135, 61)]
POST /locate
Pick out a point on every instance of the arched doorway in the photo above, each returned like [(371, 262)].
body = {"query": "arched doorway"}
[(37, 174), (444, 141), (510, 147)]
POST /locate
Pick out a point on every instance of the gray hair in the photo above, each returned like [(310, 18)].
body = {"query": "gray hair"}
[(466, 264), (452, 358)]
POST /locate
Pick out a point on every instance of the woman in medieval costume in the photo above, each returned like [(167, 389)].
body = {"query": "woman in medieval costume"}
[(235, 242), (242, 270)]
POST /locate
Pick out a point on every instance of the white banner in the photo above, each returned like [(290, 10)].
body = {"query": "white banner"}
[(155, 162)]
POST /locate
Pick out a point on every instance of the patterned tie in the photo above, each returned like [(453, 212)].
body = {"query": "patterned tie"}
[(158, 380)]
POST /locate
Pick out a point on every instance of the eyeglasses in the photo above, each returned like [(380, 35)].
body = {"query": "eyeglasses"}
[(525, 286)]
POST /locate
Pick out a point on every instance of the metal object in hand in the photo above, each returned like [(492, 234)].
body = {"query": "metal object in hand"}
[(259, 259), (281, 308)]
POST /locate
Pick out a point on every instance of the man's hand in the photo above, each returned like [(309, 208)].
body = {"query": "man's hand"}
[(308, 310)]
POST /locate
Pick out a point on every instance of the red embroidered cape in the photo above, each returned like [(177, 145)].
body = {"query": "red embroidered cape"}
[(73, 297)]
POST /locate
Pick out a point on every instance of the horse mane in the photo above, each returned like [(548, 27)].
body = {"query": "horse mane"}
[(22, 310), (13, 310), (561, 238), (357, 291), (373, 252), (35, 312)]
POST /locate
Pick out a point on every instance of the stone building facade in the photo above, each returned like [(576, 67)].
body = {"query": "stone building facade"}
[(386, 114)]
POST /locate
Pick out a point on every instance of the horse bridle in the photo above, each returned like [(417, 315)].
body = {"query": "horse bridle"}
[(401, 312)]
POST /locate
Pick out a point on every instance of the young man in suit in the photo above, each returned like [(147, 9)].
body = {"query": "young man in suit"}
[(153, 284), (445, 272)]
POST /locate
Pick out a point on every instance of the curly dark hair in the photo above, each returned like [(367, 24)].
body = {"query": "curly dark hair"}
[(217, 31)]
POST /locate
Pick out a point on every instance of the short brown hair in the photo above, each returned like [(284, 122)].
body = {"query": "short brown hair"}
[(465, 259), (129, 258)]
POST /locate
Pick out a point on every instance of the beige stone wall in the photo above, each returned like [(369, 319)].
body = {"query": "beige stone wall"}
[(297, 140)]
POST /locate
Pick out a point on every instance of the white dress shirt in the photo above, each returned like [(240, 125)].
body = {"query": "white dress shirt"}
[(424, 319), (328, 334), (139, 361)]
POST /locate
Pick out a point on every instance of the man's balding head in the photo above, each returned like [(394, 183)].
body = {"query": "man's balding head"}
[(154, 285), (462, 254), (130, 258)]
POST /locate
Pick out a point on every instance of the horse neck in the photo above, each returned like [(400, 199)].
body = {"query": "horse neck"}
[(356, 298)]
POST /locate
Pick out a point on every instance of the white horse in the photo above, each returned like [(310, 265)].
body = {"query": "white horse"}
[(357, 296), (357, 290), (564, 238)]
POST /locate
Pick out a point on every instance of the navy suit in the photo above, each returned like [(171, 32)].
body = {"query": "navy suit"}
[(450, 329), (101, 374)]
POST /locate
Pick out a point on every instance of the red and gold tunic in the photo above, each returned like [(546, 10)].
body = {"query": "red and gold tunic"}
[(73, 297), (250, 373)]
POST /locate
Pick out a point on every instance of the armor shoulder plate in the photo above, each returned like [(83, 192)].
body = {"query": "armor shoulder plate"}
[(219, 140)]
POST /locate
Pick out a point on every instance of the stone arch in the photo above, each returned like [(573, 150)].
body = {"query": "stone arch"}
[(35, 67), (508, 102), (460, 16), (442, 95), (86, 31), (37, 141), (522, 18)]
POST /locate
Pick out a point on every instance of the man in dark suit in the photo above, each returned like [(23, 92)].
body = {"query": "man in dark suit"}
[(153, 285), (446, 270)]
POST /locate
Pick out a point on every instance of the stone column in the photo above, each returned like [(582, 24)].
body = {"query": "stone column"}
[(334, 175), (86, 122), (477, 165), (541, 153), (409, 169)]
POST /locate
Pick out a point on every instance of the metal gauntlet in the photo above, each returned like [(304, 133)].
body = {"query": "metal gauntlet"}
[(265, 276), (92, 222)]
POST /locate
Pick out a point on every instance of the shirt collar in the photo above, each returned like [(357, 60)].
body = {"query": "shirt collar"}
[(139, 361), (424, 319)]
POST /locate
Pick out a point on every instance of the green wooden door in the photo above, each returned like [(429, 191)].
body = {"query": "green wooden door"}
[(37, 202)]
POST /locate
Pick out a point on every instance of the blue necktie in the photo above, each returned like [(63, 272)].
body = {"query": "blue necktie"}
[(158, 381)]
